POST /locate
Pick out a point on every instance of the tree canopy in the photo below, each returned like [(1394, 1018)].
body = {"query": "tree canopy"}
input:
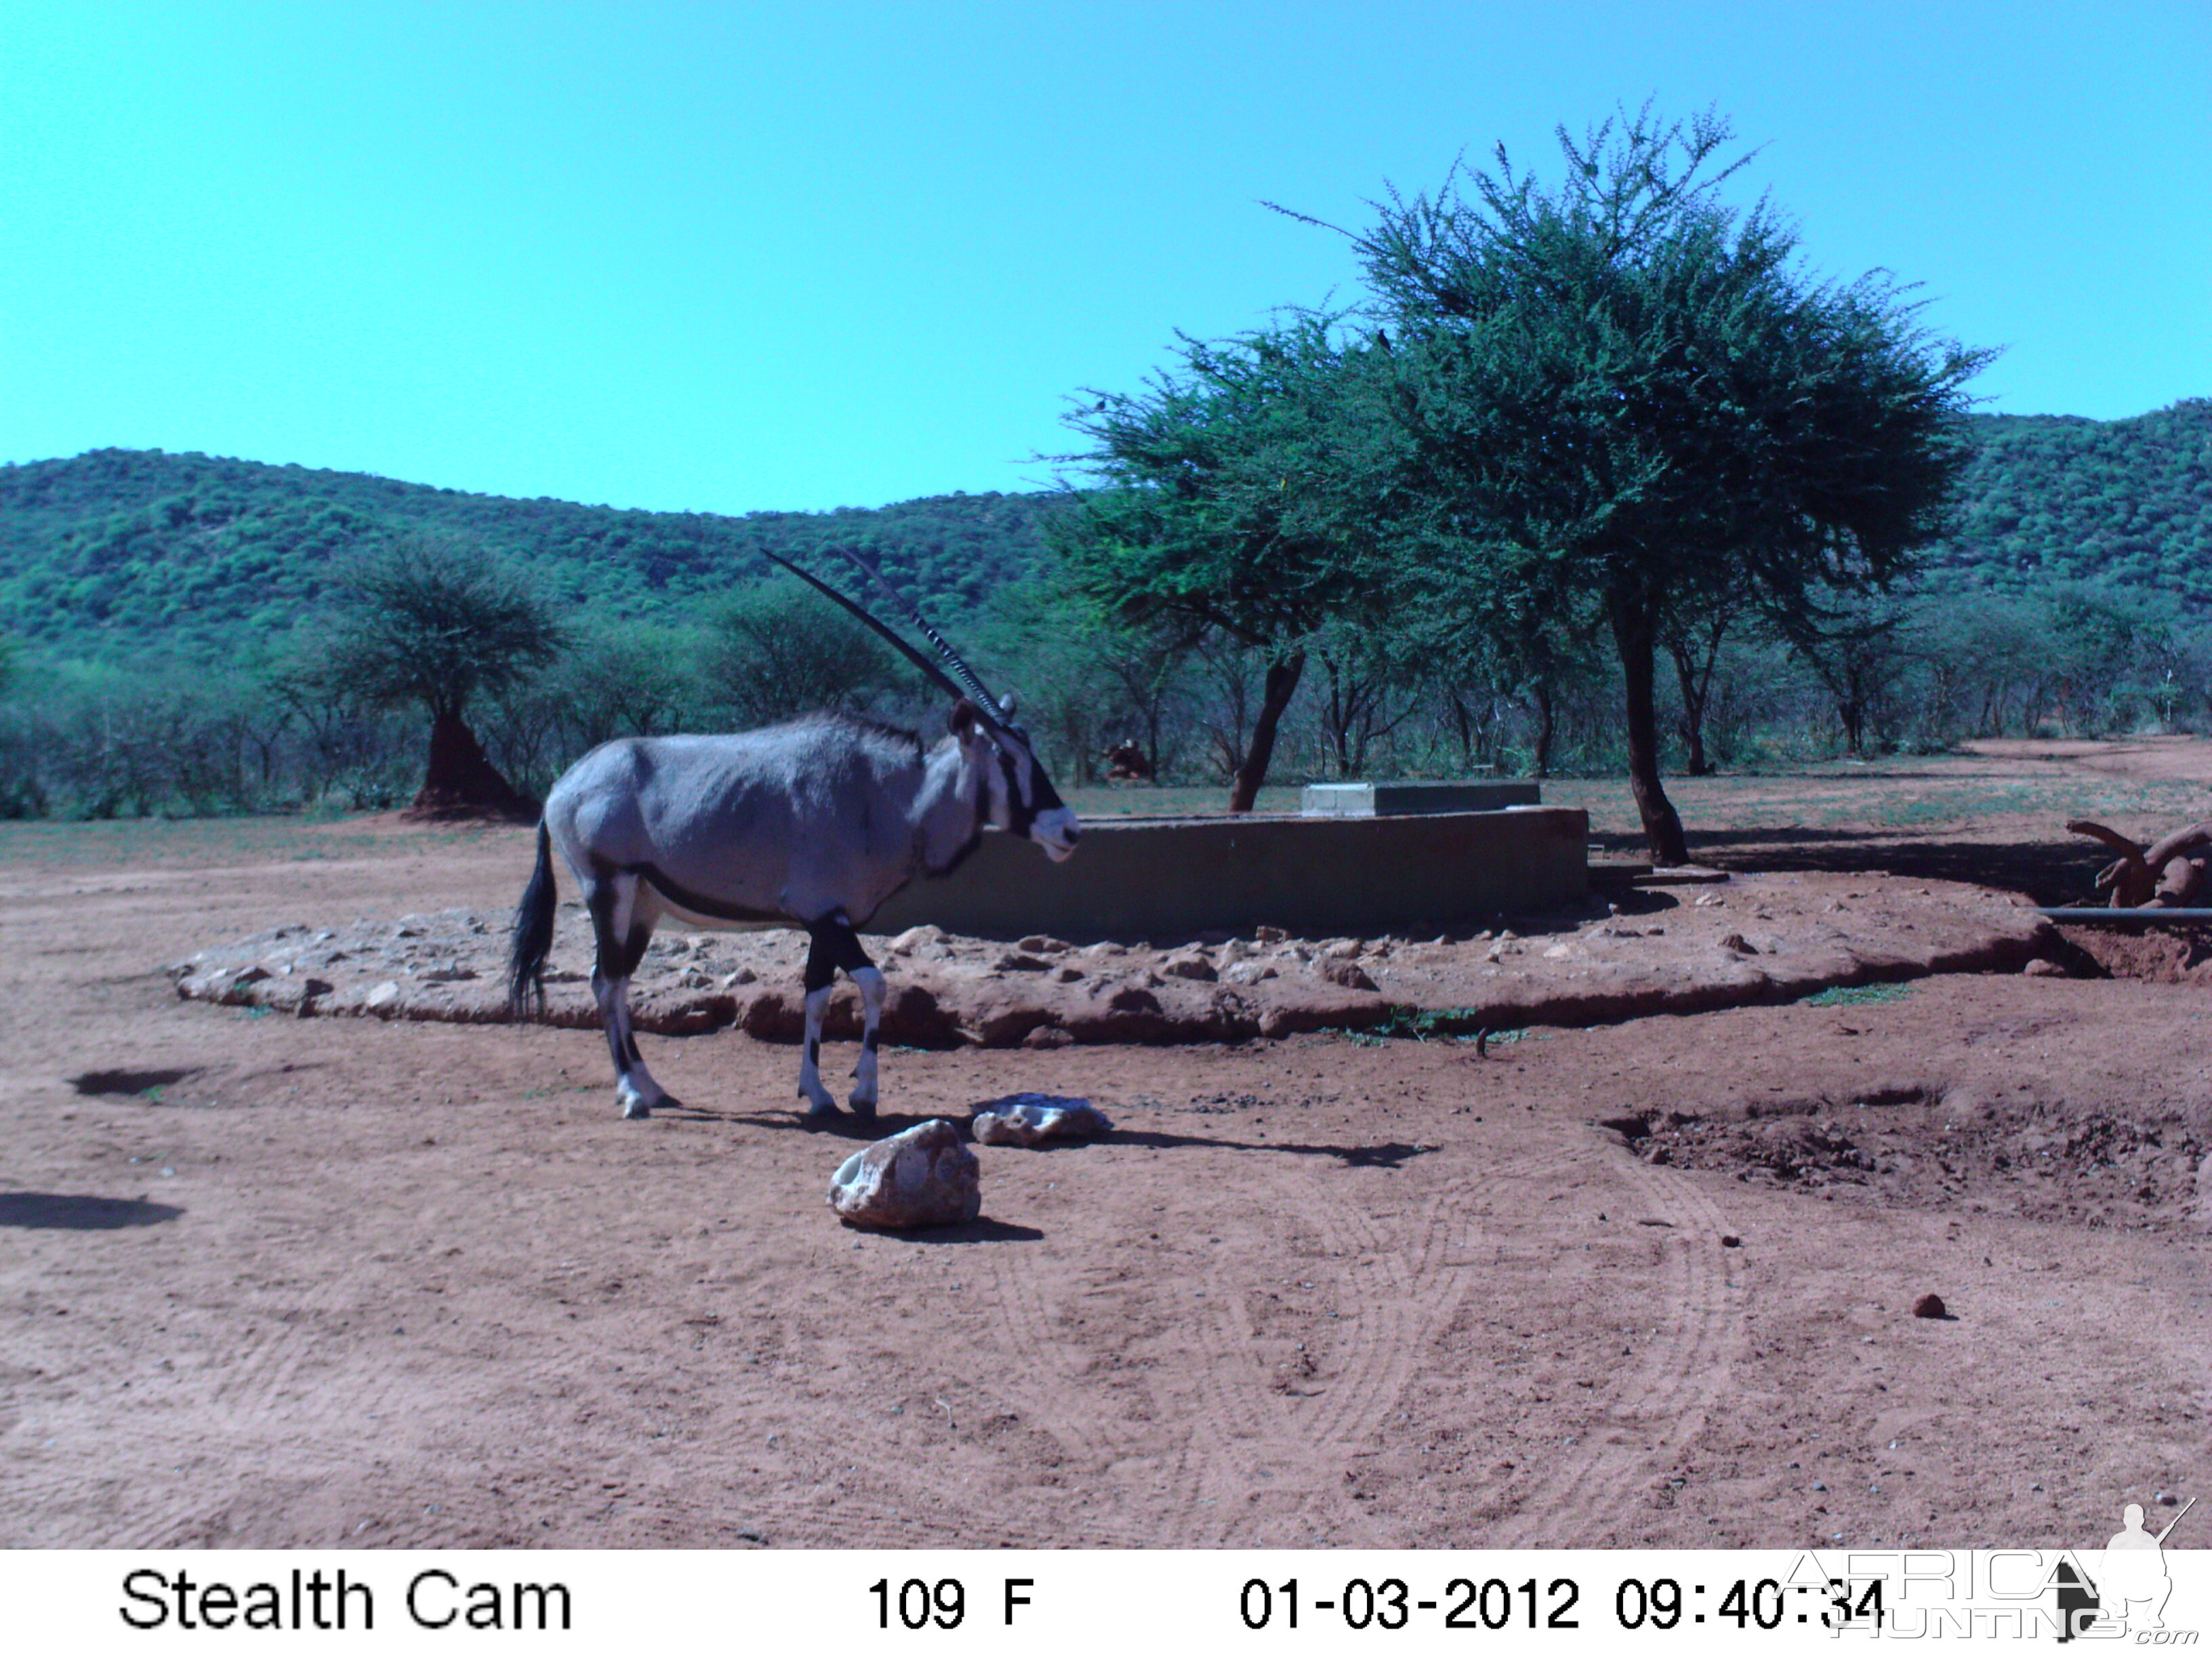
[(781, 649), (1245, 494), (1623, 401), (435, 625)]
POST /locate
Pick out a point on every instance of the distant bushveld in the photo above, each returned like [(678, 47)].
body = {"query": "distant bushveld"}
[(163, 619), (119, 556), (2052, 498)]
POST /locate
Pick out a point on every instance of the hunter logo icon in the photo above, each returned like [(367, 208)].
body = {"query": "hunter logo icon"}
[(2131, 1584)]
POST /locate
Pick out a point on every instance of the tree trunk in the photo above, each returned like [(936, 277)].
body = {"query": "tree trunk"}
[(1632, 631), (1547, 724), (1465, 722), (1275, 696), (463, 783), (1850, 709), (1696, 680), (1337, 717)]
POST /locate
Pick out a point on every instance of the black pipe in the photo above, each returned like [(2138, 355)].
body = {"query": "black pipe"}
[(2149, 917)]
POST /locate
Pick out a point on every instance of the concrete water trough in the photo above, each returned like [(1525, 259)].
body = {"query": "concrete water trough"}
[(1393, 801), (1312, 876)]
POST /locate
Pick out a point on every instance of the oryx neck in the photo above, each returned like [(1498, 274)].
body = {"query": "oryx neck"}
[(949, 811)]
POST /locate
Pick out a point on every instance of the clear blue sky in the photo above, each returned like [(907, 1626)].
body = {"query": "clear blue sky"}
[(733, 256)]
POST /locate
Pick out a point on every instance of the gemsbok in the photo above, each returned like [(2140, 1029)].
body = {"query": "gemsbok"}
[(809, 824)]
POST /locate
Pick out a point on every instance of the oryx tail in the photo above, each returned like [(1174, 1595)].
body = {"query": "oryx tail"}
[(533, 936)]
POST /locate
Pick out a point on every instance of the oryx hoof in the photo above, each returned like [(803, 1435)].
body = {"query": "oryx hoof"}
[(636, 1103), (863, 1108)]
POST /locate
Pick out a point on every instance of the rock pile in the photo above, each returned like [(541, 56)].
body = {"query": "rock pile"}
[(1754, 938)]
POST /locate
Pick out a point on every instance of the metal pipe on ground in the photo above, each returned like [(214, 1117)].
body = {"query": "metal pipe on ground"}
[(2128, 917)]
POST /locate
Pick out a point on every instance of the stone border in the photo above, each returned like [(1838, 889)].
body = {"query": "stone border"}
[(1751, 940)]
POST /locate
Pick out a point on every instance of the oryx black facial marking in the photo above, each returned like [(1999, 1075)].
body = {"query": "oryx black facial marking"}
[(1019, 813), (811, 824)]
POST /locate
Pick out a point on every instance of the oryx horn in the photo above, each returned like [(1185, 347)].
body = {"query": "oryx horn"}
[(943, 680), (994, 710)]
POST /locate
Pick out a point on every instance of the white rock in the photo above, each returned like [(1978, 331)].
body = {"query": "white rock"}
[(386, 995), (1026, 1119), (919, 1177)]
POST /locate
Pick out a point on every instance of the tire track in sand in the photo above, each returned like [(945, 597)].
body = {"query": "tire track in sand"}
[(1063, 1386), (1397, 1284), (291, 1402), (1661, 1404)]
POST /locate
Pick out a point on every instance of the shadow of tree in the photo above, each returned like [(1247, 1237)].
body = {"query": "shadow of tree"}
[(2047, 871)]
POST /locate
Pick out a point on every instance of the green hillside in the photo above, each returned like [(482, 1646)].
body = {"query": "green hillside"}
[(122, 554), (128, 555), (2051, 499)]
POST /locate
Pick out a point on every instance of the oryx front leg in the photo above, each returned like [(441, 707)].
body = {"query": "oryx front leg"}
[(870, 979), (819, 1101), (832, 944), (622, 931)]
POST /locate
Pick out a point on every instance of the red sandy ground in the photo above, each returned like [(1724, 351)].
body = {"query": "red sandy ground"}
[(287, 1282)]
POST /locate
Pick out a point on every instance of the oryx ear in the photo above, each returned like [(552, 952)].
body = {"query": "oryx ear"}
[(1007, 705), (966, 720)]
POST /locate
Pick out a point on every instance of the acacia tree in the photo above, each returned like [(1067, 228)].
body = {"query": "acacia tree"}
[(1245, 494), (1623, 404), (779, 649), (1092, 682), (433, 624), (1693, 642), (1855, 646)]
